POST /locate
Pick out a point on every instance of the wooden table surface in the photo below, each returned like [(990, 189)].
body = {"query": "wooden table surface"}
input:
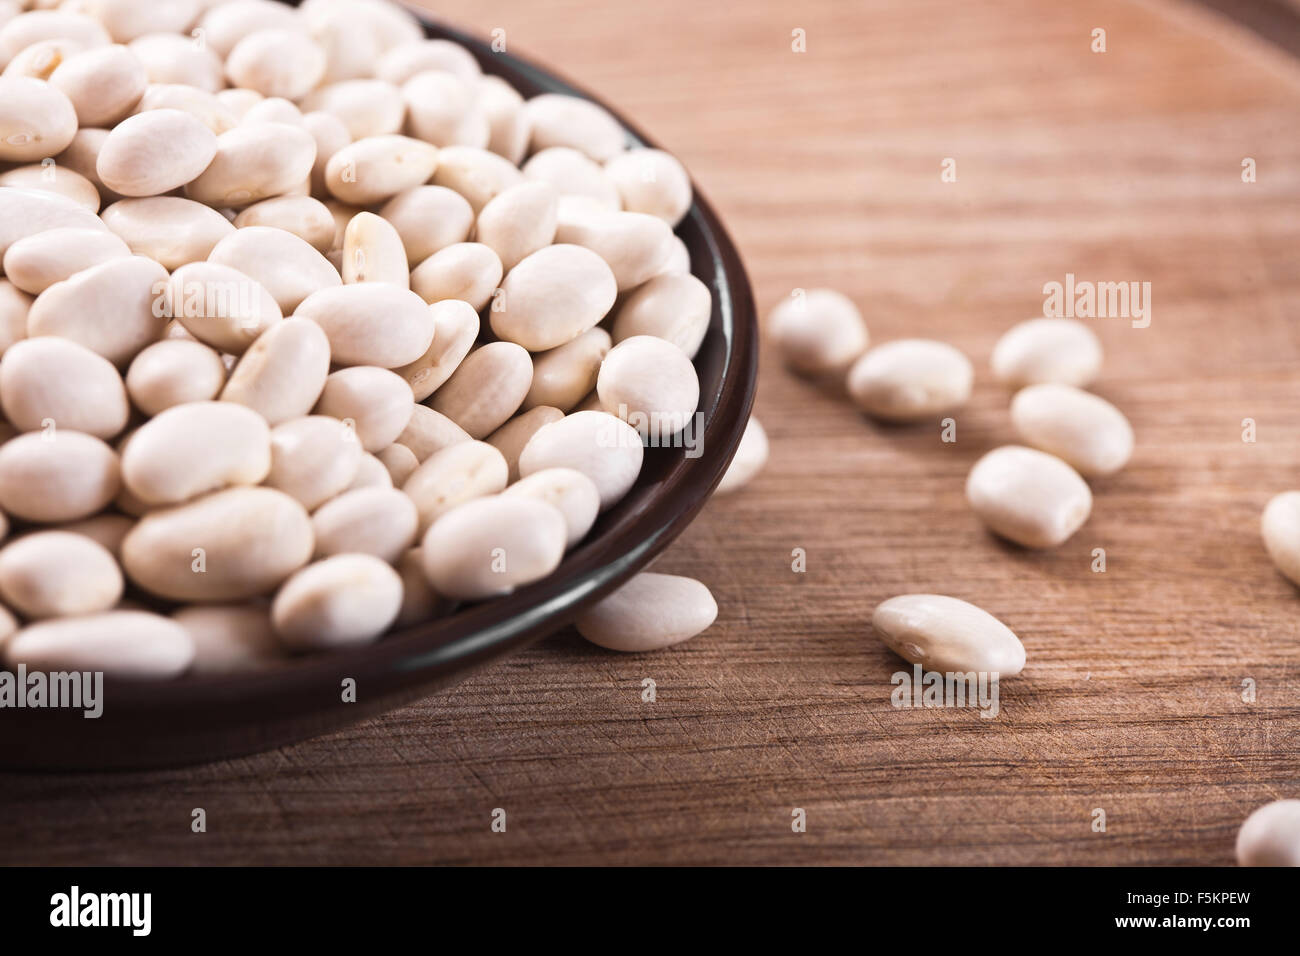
[(1116, 166)]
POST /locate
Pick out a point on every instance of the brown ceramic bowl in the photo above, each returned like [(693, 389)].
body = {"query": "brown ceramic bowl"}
[(192, 720)]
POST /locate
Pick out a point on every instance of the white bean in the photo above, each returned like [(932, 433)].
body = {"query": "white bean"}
[(1271, 835), (189, 450), (817, 331), (947, 635), (601, 446), (252, 163), (491, 546), (376, 402), (282, 374), (230, 638), (561, 120), (36, 120), (649, 383), (57, 475), (376, 168), (553, 296), (168, 229), (1028, 496), (1063, 351), (36, 262), (571, 492), (751, 456), (468, 271), (562, 377), (1280, 527), (456, 327), (651, 611), (286, 265), (313, 458), (673, 306), (371, 323), (58, 574), (910, 380), (518, 222), (50, 380), (104, 84), (221, 306), (157, 151), (429, 218), (653, 182), (511, 438), (231, 545), (378, 521), (173, 372), (453, 475), (486, 389), (133, 644), (344, 600), (115, 308), (1083, 429)]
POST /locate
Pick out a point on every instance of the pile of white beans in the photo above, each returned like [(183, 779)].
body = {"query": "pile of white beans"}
[(309, 329)]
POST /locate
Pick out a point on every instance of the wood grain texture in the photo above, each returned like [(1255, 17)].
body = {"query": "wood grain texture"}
[(826, 165)]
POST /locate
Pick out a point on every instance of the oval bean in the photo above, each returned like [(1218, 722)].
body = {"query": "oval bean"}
[(675, 307), (468, 271), (192, 449), (252, 163), (376, 402), (570, 492), (1271, 835), (283, 373), (57, 475), (285, 264), (36, 262), (948, 635), (651, 611), (231, 545), (313, 459), (168, 229), (453, 475), (650, 384), (491, 546), (910, 379), (653, 182), (429, 218), (58, 574), (344, 600), (1028, 496), (155, 152), (1061, 351), (36, 120), (230, 638), (378, 521), (221, 306), (132, 644), (47, 379), (601, 446), (511, 437), (115, 308), (553, 296), (376, 168), (173, 372), (1082, 429), (817, 331), (371, 323)]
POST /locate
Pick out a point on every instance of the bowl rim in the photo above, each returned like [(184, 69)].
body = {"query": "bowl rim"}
[(413, 661)]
